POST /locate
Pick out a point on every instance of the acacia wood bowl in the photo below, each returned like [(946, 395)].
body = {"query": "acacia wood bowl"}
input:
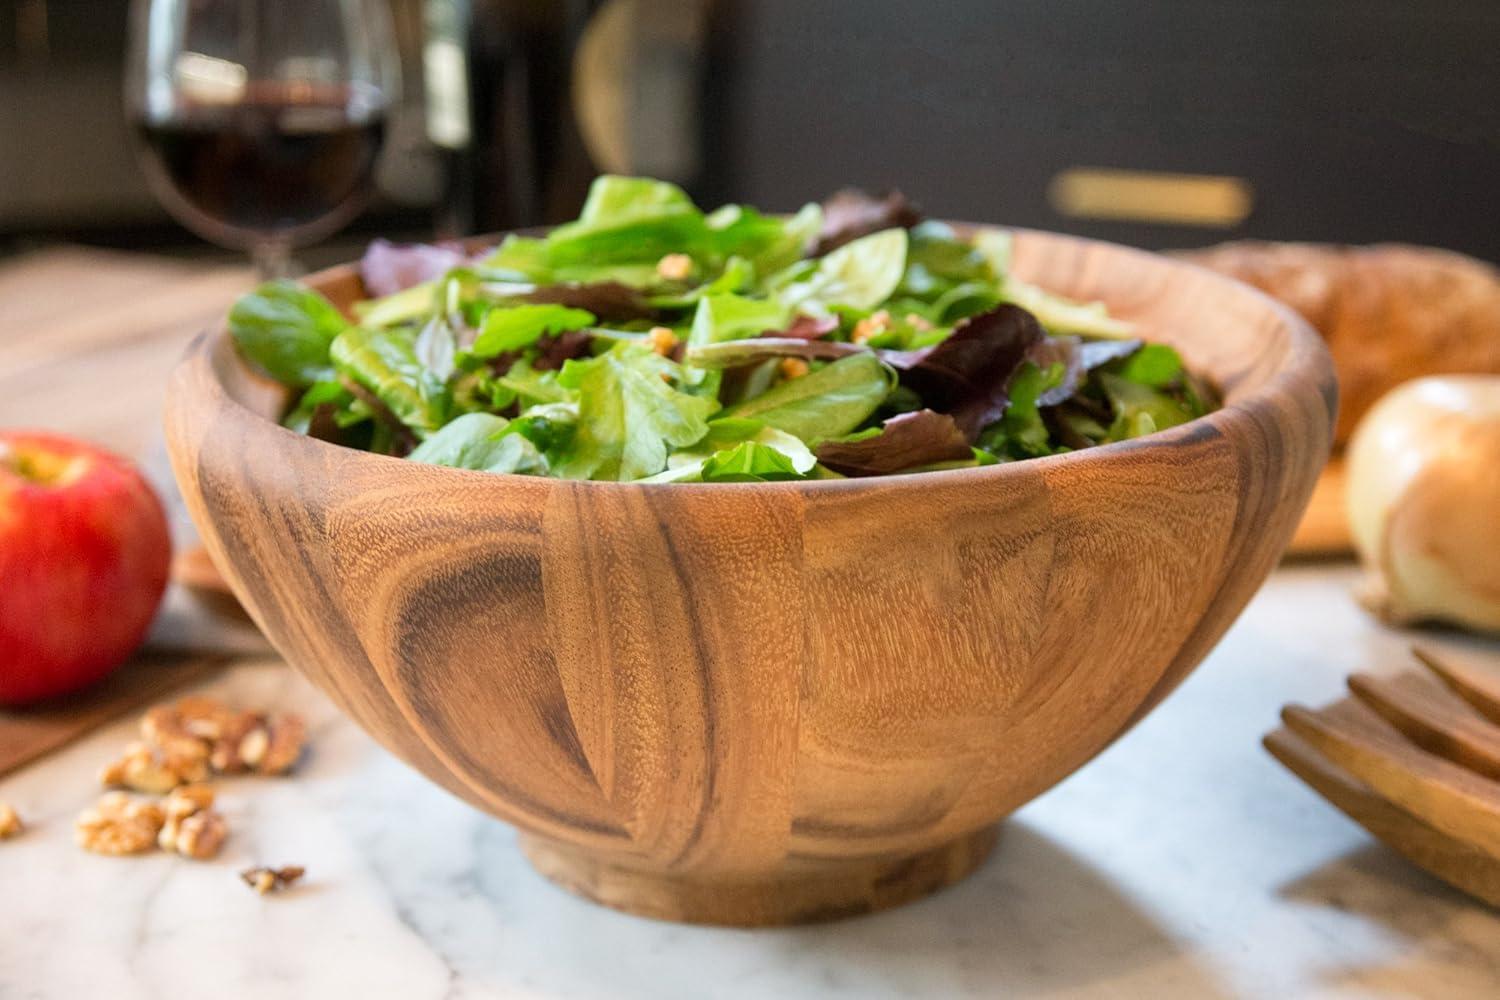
[(769, 703)]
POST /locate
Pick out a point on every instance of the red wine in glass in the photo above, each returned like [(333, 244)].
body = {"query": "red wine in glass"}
[(259, 122), (287, 164)]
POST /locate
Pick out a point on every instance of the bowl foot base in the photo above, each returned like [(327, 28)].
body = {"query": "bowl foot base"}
[(811, 892)]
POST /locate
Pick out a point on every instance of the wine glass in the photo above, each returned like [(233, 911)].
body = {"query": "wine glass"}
[(260, 121)]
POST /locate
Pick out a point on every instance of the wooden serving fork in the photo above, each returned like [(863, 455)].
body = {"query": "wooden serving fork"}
[(1414, 759)]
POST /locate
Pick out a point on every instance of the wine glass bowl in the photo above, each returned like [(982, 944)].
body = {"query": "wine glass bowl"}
[(259, 122)]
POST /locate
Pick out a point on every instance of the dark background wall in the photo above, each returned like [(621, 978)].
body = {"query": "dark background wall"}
[(1349, 120), (1355, 120)]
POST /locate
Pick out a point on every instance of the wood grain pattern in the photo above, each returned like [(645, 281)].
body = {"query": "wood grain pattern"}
[(695, 694), (1431, 716), (1323, 532), (1461, 865), (1445, 795)]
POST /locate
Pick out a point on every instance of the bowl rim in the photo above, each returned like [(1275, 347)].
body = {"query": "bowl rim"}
[(1299, 364)]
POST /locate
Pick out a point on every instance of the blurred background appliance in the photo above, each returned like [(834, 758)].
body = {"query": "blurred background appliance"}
[(1163, 123)]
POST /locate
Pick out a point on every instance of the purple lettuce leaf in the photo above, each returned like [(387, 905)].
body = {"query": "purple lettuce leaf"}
[(610, 301), (904, 442), (805, 327), (852, 213), (1093, 353), (388, 268), (967, 374)]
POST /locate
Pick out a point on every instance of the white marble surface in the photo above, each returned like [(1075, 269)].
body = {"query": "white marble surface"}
[(1183, 862)]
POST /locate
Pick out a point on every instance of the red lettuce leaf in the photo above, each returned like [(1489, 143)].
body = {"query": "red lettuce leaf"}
[(852, 213), (806, 327), (966, 375), (388, 268), (610, 301), (1093, 353), (904, 442), (555, 348), (1065, 351)]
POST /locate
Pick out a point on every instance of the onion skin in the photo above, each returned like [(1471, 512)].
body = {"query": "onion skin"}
[(1424, 502)]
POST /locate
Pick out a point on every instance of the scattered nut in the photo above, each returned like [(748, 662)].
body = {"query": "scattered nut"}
[(227, 755), (918, 322), (252, 747), (10, 822), (118, 824), (675, 266), (200, 835), (264, 880), (165, 728), (793, 368), (184, 743), (187, 800), (190, 800), (186, 740), (662, 340), (871, 327), (146, 769)]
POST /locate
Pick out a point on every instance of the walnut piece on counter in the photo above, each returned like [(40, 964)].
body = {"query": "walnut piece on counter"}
[(183, 745), (200, 835), (287, 736), (151, 770), (201, 729), (191, 827), (10, 821), (118, 824), (266, 880)]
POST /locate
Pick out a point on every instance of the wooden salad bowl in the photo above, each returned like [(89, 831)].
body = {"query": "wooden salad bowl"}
[(769, 703)]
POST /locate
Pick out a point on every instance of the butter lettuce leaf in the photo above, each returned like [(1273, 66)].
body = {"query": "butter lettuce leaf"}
[(513, 328), (481, 441), (384, 363), (631, 414), (861, 275), (825, 403), (629, 220)]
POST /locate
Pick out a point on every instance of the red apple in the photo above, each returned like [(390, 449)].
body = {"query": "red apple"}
[(84, 554)]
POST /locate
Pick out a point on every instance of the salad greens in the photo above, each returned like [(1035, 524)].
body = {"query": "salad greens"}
[(649, 341)]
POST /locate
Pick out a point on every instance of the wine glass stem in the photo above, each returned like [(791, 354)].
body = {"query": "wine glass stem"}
[(272, 257)]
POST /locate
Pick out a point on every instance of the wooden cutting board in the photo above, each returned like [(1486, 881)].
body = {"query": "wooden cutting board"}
[(1324, 531), (26, 734)]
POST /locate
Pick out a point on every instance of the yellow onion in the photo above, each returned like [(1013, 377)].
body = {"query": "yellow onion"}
[(1424, 501)]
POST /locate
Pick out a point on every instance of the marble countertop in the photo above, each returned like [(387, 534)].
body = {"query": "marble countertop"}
[(1182, 862)]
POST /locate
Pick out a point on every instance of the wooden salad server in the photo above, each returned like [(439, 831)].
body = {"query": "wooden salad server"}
[(1415, 759)]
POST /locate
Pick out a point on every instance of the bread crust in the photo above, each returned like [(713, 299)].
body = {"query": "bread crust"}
[(1389, 312)]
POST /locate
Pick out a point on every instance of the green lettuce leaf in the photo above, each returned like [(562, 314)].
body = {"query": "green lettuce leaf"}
[(629, 220), (736, 450), (734, 317), (861, 274), (287, 329), (1020, 431), (749, 462), (1155, 365), (766, 242), (629, 415), (829, 402), (516, 327), (385, 364), (1141, 409), (481, 441)]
